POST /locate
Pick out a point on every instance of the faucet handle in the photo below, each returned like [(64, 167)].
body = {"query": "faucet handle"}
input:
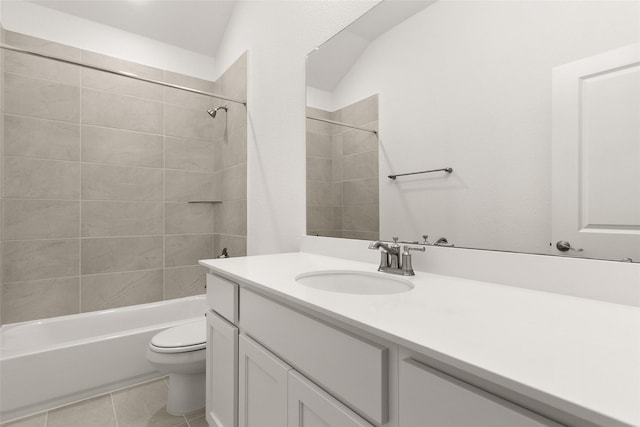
[(426, 242), (408, 248)]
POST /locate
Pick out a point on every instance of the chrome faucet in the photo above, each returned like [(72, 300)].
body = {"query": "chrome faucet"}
[(391, 260)]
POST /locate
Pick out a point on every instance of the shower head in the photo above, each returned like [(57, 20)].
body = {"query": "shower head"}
[(213, 112)]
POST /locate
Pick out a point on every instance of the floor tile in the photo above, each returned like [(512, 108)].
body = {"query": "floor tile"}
[(144, 405), (95, 412), (199, 422), (194, 415)]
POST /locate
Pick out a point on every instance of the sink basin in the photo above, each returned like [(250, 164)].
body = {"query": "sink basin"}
[(354, 282)]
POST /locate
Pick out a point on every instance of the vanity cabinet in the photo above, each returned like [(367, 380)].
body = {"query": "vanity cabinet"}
[(222, 372), (263, 386), (274, 364), (310, 406), (429, 397)]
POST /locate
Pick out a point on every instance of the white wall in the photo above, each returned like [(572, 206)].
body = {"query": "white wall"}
[(49, 24), (456, 92), (278, 35)]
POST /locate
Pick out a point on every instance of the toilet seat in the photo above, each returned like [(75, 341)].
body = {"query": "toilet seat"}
[(191, 336)]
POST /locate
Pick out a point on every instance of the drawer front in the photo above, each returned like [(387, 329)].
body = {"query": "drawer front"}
[(432, 398), (222, 297), (352, 369)]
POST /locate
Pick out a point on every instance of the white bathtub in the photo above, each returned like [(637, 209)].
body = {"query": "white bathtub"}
[(47, 363)]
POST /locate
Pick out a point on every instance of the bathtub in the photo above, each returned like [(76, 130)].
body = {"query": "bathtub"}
[(51, 362)]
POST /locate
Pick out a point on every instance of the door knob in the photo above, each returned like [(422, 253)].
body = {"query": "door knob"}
[(564, 246)]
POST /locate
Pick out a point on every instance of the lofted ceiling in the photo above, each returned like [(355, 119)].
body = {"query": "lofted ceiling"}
[(195, 25)]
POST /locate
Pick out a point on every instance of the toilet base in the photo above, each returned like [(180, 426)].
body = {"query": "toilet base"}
[(186, 393)]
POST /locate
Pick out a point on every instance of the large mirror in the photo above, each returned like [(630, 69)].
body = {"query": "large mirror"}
[(526, 111)]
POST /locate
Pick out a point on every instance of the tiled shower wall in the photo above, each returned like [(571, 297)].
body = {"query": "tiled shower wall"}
[(342, 172), (98, 170)]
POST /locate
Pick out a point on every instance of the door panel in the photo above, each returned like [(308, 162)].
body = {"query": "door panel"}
[(596, 155)]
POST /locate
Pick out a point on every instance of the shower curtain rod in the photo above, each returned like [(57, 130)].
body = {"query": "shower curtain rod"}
[(342, 124), (123, 73)]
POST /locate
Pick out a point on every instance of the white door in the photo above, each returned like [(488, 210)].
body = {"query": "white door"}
[(262, 386), (310, 406), (222, 372), (596, 155)]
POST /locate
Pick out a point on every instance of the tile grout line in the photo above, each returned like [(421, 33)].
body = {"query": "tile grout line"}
[(80, 190), (164, 188), (113, 406)]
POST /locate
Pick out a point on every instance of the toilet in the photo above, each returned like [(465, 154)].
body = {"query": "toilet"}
[(180, 351)]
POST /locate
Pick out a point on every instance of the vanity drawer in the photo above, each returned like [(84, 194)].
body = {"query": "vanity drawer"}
[(222, 297), (352, 369)]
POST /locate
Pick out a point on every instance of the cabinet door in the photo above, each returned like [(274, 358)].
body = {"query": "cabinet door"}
[(309, 406), (262, 386), (430, 398), (222, 372)]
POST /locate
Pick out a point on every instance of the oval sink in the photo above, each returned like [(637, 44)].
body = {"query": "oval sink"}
[(354, 282)]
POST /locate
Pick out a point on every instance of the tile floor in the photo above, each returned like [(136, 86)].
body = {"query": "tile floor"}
[(141, 405)]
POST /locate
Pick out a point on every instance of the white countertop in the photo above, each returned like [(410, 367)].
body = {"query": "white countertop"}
[(581, 356)]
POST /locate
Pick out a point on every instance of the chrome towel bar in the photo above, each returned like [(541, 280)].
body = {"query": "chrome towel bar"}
[(447, 170)]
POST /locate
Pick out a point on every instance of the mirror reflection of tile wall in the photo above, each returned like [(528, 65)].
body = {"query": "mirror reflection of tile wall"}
[(342, 172)]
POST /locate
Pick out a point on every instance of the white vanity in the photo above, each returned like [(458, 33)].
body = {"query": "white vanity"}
[(449, 352)]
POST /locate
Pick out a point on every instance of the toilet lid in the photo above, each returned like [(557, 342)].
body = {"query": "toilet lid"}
[(190, 336)]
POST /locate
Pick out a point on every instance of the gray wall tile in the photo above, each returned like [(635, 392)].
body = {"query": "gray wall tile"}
[(47, 139), (184, 281), (28, 96), (363, 165), (39, 259), (33, 66), (318, 145), (319, 217), (106, 182), (40, 219), (190, 100), (120, 84), (185, 250), (318, 193), (45, 179), (234, 182), (188, 123), (190, 186), (121, 111), (236, 245), (232, 151), (190, 82), (103, 218), (361, 235), (359, 113), (39, 299), (319, 169), (41, 67), (41, 45), (234, 80), (358, 141), (113, 290), (188, 218), (190, 154), (115, 146), (231, 218), (361, 192), (119, 154), (116, 254), (360, 218)]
